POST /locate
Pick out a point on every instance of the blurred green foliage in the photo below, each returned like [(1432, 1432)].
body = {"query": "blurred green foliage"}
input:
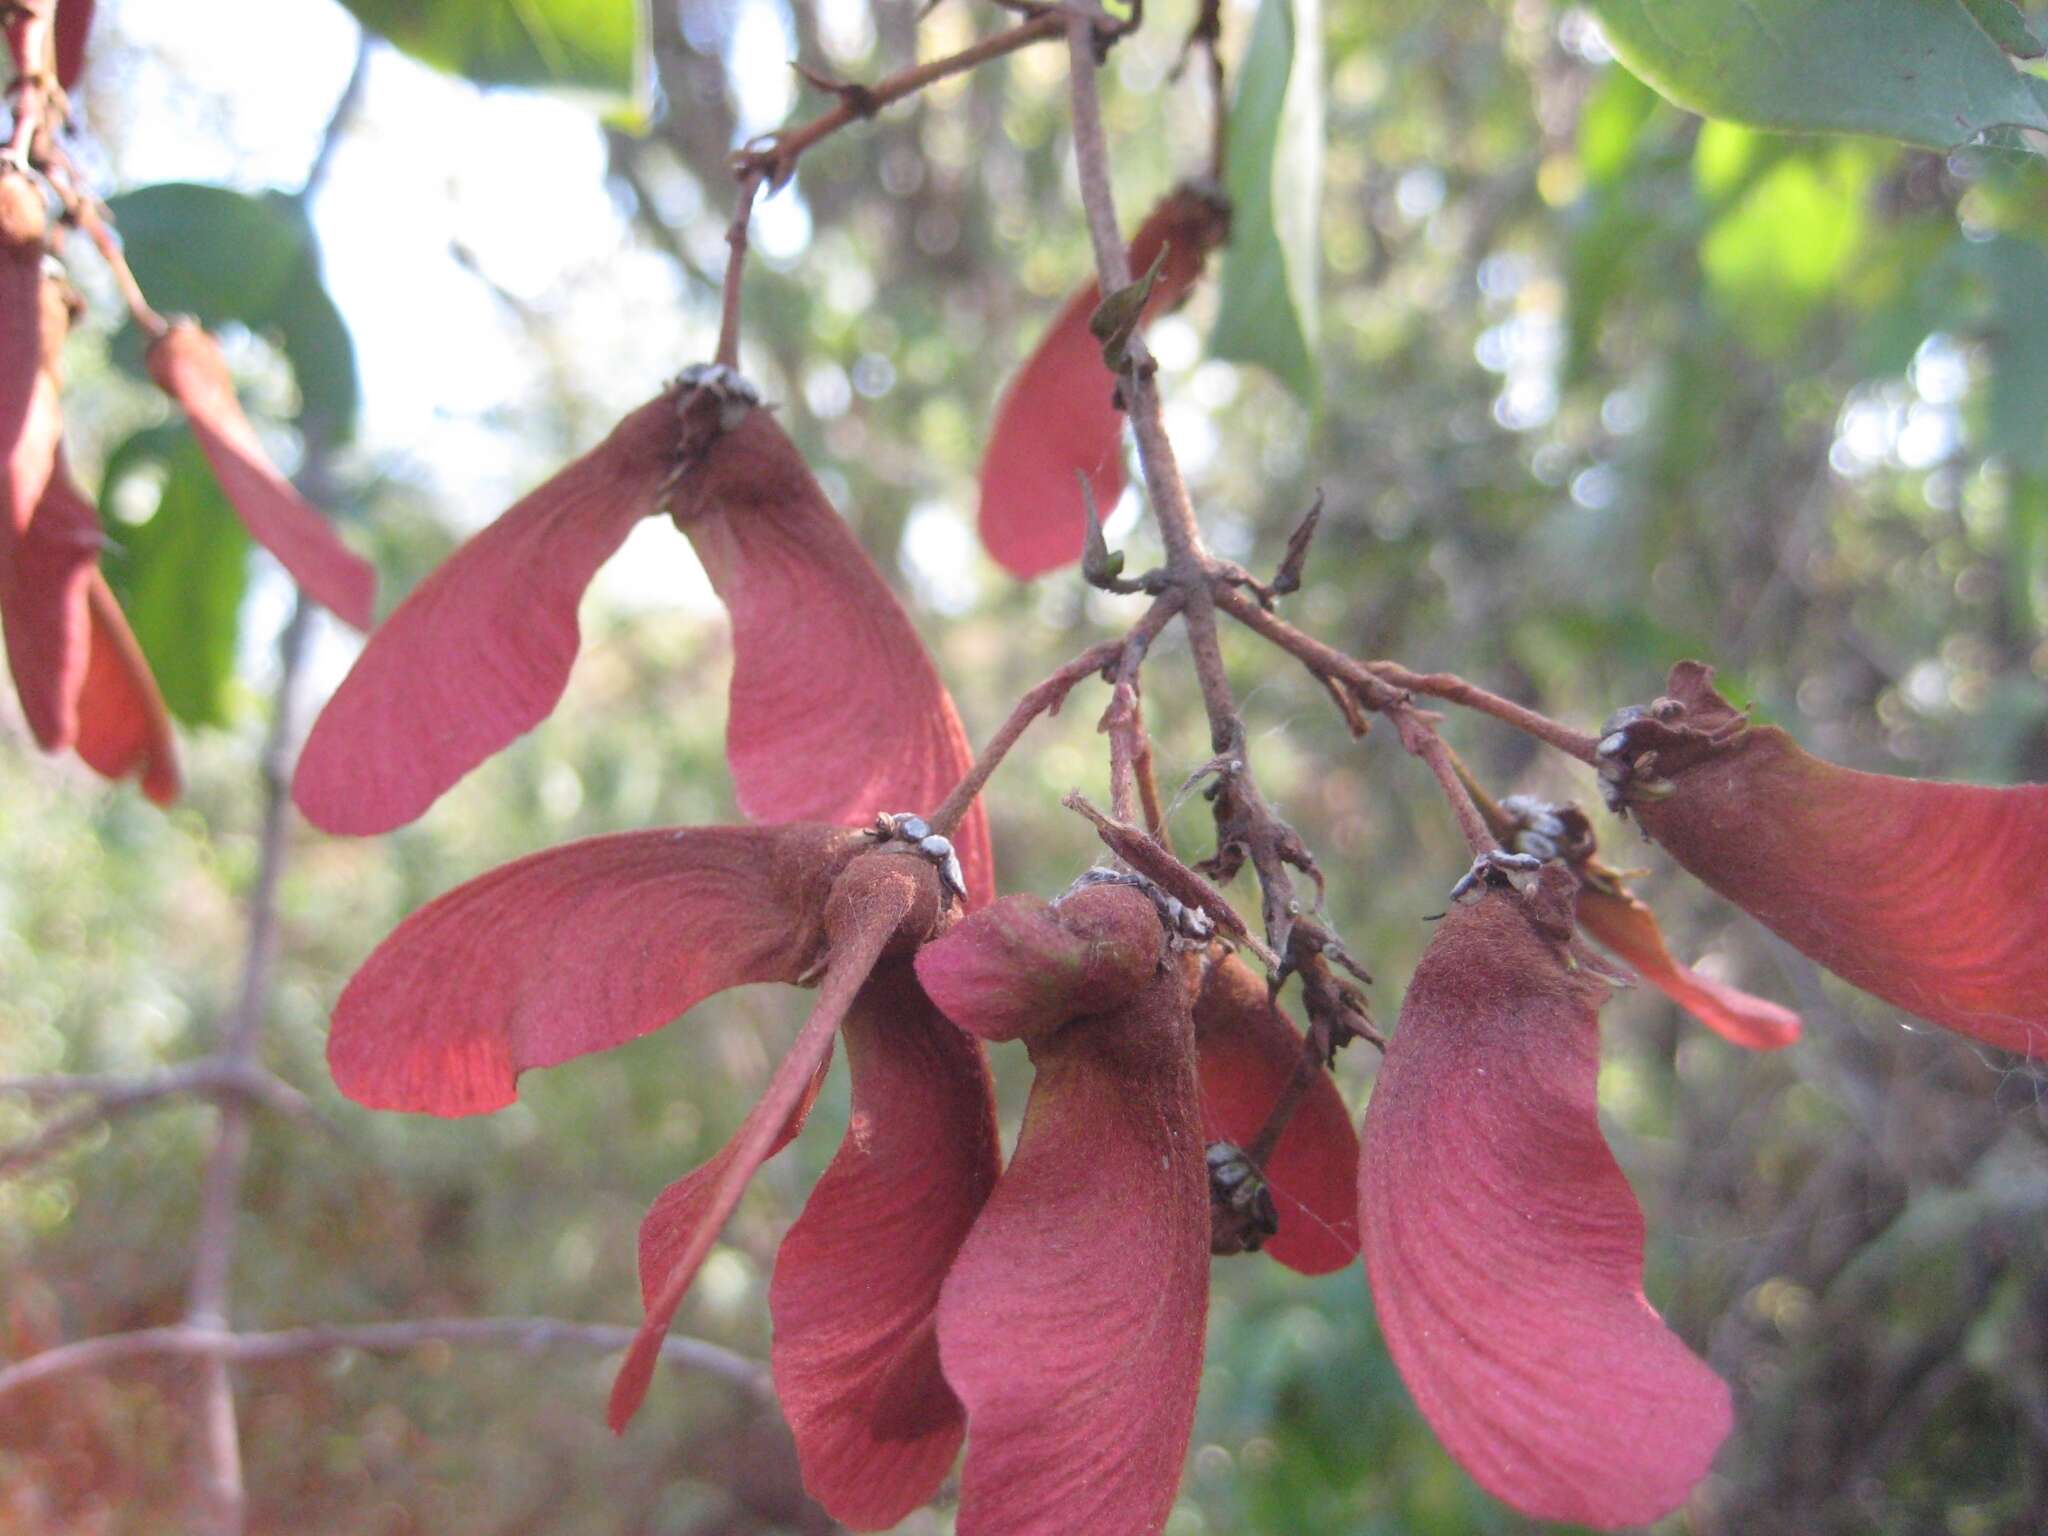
[(1603, 388)]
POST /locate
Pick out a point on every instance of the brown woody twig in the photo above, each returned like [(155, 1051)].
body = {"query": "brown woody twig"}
[(108, 1098), (221, 1347), (1045, 699)]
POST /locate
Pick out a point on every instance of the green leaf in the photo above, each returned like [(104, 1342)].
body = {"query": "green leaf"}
[(181, 575), (223, 255), (1116, 318), (2006, 26), (1273, 176), (1918, 70), (582, 44)]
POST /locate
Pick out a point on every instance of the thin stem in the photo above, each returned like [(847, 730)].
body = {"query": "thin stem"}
[(110, 1097), (1171, 506), (774, 161), (213, 1251), (779, 155), (1419, 736), (1378, 684), (1130, 749), (84, 212), (1045, 699), (735, 270), (221, 1347), (346, 105), (1244, 816)]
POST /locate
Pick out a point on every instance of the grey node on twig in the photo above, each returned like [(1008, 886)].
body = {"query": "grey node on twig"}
[(1626, 771), (913, 831), (1494, 869), (1187, 927), (735, 393)]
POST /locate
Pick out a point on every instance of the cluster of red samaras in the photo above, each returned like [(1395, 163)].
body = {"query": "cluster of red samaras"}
[(81, 677), (1049, 1313)]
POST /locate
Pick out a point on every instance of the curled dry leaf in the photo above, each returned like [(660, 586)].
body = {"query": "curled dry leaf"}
[(1057, 421), (1504, 1246), (1928, 895), (187, 365)]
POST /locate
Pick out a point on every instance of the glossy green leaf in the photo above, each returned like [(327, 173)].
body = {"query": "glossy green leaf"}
[(227, 256), (2006, 26), (1919, 70), (1266, 312), (180, 575), (583, 44)]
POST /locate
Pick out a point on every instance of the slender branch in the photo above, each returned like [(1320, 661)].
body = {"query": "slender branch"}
[(1418, 734), (1045, 699), (213, 1249), (84, 211), (1244, 815), (777, 155), (220, 1347), (736, 269), (1378, 684), (346, 106), (110, 1097), (772, 161), (1130, 749)]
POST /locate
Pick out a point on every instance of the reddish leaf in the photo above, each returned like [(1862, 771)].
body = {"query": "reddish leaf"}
[(857, 1281), (879, 905), (1247, 1050), (1022, 967), (73, 27), (1624, 925), (1928, 895), (187, 365), (837, 712), (123, 727), (1056, 420), (481, 650), (1071, 1324), (1504, 1245), (575, 950), (44, 581), (31, 420)]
